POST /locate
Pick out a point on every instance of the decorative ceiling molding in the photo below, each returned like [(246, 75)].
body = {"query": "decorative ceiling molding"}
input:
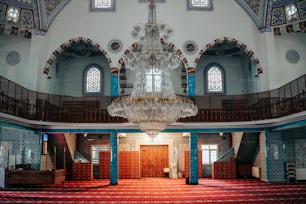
[(262, 12), (256, 10), (48, 10)]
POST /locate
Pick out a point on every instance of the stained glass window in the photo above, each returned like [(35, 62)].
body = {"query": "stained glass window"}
[(215, 80), (199, 4), (291, 13), (12, 14), (153, 83), (102, 5), (93, 80)]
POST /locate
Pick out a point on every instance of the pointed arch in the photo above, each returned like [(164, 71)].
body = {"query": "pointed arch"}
[(171, 45), (236, 43), (67, 44)]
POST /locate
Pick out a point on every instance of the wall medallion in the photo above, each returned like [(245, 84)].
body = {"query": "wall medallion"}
[(13, 58), (115, 45), (190, 47), (292, 56)]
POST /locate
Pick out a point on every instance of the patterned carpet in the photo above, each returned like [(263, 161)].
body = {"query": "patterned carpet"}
[(159, 190)]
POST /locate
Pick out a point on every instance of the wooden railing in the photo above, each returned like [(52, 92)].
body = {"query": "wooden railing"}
[(21, 102)]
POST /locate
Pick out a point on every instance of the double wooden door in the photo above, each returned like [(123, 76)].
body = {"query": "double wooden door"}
[(153, 158)]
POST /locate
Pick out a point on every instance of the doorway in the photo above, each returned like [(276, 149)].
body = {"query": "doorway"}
[(153, 160)]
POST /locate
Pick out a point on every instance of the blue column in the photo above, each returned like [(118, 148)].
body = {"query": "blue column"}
[(193, 175), (114, 84), (267, 157), (113, 158), (191, 84)]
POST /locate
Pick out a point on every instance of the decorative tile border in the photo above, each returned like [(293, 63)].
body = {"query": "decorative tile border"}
[(238, 44), (256, 10), (48, 10), (62, 47)]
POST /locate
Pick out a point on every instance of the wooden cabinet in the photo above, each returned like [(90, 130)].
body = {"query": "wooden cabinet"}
[(82, 171), (129, 164), (187, 164), (34, 177), (224, 169), (104, 164)]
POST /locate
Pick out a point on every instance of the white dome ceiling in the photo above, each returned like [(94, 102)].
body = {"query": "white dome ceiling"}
[(264, 13)]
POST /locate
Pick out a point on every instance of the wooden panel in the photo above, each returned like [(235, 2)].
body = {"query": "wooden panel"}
[(187, 164), (34, 177), (104, 165), (82, 171), (129, 164), (154, 158), (224, 169)]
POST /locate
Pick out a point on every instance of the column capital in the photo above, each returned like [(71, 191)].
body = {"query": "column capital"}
[(114, 70), (191, 70)]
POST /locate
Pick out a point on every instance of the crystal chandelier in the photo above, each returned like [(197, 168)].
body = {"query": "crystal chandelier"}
[(152, 104)]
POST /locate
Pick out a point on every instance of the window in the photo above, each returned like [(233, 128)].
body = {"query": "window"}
[(102, 5), (291, 13), (215, 79), (95, 152), (12, 14), (92, 80), (209, 153), (199, 4), (153, 77)]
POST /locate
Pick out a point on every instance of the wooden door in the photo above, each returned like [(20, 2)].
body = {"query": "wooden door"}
[(154, 158)]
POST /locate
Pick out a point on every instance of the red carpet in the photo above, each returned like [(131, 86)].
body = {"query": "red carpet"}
[(159, 190)]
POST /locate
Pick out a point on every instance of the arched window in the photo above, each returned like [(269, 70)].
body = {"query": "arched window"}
[(102, 5), (199, 5), (214, 79), (92, 80), (12, 14)]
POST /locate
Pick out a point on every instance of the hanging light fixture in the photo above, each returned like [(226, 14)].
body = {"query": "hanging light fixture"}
[(152, 104)]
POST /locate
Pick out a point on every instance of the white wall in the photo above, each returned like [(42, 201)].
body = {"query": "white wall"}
[(20, 73), (69, 79), (239, 79), (227, 19), (260, 160), (102, 27), (280, 70)]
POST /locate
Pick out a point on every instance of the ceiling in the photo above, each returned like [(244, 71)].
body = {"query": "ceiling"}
[(264, 13)]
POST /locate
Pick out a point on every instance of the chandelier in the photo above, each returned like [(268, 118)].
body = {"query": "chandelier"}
[(152, 104)]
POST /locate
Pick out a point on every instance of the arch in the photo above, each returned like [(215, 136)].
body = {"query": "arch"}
[(62, 47), (238, 44), (182, 58)]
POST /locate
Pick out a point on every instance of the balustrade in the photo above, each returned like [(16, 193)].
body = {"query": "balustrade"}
[(21, 102)]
